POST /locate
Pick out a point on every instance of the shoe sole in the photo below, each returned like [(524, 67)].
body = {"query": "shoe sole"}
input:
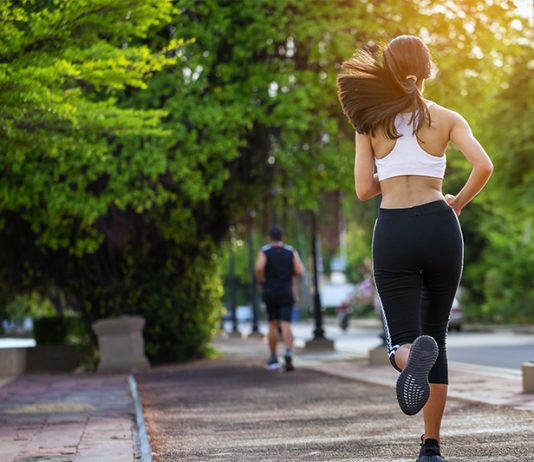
[(272, 367), (413, 389), (431, 459)]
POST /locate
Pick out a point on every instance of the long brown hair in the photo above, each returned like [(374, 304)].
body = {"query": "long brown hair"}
[(372, 93)]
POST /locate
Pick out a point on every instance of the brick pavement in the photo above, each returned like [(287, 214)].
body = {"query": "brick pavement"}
[(66, 418)]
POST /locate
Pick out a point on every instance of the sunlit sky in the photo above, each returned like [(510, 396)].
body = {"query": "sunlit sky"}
[(525, 8)]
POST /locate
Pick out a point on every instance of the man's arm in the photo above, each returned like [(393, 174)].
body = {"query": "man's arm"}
[(298, 267), (260, 267)]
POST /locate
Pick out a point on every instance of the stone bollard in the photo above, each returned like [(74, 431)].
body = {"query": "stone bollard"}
[(319, 344), (256, 335), (121, 344), (12, 361), (378, 356), (527, 370)]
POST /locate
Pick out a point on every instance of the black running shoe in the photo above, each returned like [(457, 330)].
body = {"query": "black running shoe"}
[(413, 389), (289, 363), (430, 452)]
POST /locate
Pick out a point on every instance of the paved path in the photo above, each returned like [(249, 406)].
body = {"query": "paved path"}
[(333, 408), (66, 418), (232, 410)]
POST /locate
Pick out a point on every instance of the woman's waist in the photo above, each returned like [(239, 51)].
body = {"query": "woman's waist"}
[(439, 205), (404, 192)]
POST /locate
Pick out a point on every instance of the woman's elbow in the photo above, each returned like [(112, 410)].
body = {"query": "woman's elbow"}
[(486, 168), (363, 194)]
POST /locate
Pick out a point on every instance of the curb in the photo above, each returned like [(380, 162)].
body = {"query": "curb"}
[(141, 434)]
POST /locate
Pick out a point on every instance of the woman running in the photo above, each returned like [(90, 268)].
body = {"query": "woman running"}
[(417, 241)]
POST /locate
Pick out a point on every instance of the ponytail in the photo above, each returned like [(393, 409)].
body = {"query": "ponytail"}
[(372, 94)]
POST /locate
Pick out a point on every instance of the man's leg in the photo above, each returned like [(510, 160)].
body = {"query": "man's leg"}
[(287, 335), (273, 336), (272, 313)]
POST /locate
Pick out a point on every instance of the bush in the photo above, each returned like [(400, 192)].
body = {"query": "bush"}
[(182, 311), (52, 330), (60, 330)]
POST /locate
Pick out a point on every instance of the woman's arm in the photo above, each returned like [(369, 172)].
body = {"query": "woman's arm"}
[(462, 136), (365, 179)]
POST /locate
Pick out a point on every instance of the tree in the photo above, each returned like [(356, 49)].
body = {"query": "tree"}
[(508, 259), (63, 65), (134, 135)]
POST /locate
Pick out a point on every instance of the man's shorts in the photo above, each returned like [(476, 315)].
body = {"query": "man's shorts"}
[(277, 311)]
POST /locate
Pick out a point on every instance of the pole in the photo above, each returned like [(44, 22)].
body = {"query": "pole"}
[(319, 341), (253, 281), (232, 286), (318, 332)]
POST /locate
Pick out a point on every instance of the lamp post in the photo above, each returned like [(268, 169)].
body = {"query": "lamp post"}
[(319, 341), (253, 282), (235, 331)]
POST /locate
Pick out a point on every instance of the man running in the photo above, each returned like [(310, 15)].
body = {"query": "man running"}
[(276, 265)]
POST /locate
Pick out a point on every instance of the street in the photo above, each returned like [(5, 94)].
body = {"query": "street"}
[(502, 348)]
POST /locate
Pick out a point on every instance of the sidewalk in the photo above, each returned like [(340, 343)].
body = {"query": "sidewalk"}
[(66, 418), (333, 408), (232, 410)]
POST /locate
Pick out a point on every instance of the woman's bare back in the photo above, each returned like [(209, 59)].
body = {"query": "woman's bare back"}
[(411, 190)]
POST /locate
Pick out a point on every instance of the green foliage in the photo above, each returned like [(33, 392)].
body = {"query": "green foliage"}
[(182, 308), (507, 262), (28, 306), (52, 330), (358, 252), (62, 65), (73, 194)]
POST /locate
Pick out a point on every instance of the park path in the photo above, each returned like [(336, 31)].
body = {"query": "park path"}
[(232, 410)]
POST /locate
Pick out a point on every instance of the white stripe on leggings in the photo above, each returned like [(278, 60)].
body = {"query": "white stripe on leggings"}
[(391, 349)]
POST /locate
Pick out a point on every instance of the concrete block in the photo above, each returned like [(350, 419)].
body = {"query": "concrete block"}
[(52, 358), (121, 344), (527, 370), (319, 344), (256, 335), (378, 357), (12, 361)]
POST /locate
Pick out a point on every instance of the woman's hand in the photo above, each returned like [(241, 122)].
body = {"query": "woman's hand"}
[(451, 200)]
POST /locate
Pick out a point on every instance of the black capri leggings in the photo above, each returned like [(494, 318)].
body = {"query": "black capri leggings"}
[(417, 262)]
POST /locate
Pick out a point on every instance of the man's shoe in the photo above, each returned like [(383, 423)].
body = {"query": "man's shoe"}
[(272, 364), (430, 451), (413, 389), (289, 363)]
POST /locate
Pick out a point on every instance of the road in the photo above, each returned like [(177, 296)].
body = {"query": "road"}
[(502, 348)]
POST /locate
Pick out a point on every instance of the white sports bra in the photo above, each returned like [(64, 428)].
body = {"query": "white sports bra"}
[(407, 157)]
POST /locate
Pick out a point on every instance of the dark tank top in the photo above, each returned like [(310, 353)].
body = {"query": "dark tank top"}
[(278, 273)]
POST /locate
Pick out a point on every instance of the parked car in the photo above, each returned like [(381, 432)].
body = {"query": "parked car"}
[(457, 316)]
